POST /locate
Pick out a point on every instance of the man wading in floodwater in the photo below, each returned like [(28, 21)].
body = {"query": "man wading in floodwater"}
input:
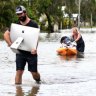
[(24, 56)]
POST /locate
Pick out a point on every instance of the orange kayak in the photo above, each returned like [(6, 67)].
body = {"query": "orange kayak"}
[(67, 51)]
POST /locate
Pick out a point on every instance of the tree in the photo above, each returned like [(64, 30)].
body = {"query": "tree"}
[(6, 13), (88, 8), (71, 7), (51, 8)]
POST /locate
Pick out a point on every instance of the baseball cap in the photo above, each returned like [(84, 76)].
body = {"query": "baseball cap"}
[(20, 9)]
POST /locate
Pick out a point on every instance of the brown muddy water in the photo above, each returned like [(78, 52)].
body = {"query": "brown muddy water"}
[(61, 76)]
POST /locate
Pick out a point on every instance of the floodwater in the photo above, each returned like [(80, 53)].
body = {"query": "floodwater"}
[(61, 76)]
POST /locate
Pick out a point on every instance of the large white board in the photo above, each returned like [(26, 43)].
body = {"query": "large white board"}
[(29, 34)]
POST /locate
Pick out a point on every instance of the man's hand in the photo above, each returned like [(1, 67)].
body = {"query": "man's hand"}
[(33, 51), (9, 44)]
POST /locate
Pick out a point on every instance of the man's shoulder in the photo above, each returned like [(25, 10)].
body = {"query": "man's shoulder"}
[(32, 24)]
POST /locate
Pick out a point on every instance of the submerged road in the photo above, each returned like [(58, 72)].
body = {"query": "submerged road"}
[(61, 76)]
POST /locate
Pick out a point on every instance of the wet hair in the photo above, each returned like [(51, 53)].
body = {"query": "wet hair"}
[(75, 29)]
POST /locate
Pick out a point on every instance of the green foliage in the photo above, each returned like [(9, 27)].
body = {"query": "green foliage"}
[(52, 9), (88, 8), (1, 35), (71, 6), (67, 23), (6, 13)]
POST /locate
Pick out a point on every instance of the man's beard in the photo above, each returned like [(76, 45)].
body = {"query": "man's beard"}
[(22, 18)]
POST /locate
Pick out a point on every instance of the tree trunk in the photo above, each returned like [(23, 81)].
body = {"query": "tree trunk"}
[(50, 27)]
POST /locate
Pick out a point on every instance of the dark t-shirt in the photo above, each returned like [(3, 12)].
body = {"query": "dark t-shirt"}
[(30, 24), (80, 44)]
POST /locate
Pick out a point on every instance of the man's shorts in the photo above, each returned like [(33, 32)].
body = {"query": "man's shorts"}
[(21, 60)]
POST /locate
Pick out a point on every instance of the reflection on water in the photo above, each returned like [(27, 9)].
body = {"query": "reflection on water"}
[(72, 57), (32, 92), (19, 91)]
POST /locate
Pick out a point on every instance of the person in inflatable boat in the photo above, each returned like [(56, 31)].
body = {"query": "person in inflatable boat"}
[(77, 37)]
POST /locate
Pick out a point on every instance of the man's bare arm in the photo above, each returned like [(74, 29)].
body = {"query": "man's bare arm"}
[(7, 37)]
